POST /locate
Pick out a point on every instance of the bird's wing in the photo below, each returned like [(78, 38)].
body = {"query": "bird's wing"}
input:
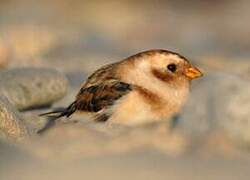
[(100, 96), (99, 91), (96, 98), (104, 73)]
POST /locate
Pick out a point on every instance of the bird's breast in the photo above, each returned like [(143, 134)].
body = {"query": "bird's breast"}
[(143, 106)]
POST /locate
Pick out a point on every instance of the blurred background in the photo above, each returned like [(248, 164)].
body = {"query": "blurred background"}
[(111, 30), (76, 37)]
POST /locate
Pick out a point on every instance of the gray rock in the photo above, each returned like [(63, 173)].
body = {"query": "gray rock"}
[(219, 101), (32, 87), (196, 117), (11, 125)]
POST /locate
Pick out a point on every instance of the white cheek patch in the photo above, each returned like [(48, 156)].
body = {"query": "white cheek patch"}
[(143, 66)]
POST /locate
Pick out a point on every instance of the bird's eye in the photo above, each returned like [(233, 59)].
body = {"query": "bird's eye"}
[(172, 67)]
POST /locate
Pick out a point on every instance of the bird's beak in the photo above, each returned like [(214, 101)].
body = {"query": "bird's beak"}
[(193, 73)]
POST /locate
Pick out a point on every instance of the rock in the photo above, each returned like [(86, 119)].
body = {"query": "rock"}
[(74, 140), (236, 114), (219, 102), (32, 87), (196, 117), (11, 125)]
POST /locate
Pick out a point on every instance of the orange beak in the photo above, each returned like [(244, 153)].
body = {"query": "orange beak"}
[(193, 73)]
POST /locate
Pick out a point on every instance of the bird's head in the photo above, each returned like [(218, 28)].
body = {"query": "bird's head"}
[(166, 66)]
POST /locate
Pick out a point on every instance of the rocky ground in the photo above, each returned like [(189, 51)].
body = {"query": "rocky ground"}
[(45, 57)]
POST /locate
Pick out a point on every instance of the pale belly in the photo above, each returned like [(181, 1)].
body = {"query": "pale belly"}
[(134, 110)]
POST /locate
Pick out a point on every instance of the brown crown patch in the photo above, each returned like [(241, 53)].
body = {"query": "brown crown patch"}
[(153, 53)]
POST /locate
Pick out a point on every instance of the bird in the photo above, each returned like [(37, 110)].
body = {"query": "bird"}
[(147, 87)]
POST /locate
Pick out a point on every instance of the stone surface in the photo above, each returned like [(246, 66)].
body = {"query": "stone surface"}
[(80, 140), (32, 87), (219, 102), (147, 164), (11, 124)]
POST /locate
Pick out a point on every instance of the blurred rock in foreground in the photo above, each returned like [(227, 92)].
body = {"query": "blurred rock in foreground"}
[(11, 125), (147, 164), (82, 140), (219, 102)]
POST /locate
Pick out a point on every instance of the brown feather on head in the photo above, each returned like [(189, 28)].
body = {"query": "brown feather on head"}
[(162, 75)]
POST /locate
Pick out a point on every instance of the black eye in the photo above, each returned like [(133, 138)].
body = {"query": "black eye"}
[(172, 67)]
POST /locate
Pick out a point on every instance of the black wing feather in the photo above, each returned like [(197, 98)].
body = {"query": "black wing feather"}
[(94, 98)]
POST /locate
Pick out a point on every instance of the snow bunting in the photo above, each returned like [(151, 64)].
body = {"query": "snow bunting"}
[(147, 87)]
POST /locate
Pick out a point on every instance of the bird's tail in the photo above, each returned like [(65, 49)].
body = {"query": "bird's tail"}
[(61, 113)]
